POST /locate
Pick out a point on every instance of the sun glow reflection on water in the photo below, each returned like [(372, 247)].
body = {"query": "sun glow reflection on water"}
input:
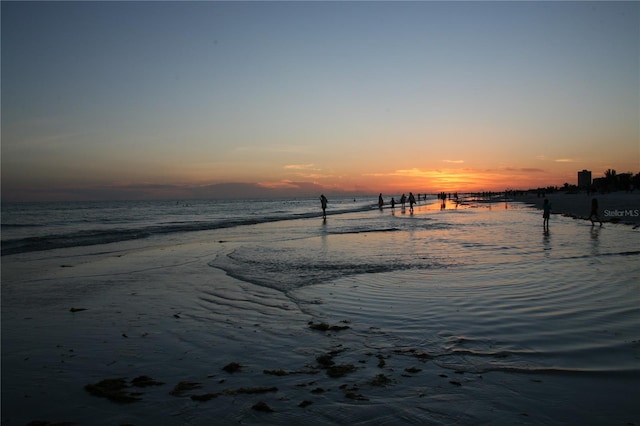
[(485, 284)]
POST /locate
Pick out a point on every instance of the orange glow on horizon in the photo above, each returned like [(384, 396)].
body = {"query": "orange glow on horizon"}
[(463, 180), (299, 182)]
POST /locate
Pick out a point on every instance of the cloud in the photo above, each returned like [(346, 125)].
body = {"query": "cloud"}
[(414, 172), (401, 172), (300, 167), (305, 171), (276, 148), (278, 184), (379, 174), (290, 184), (453, 161), (410, 172), (470, 174), (531, 170), (523, 169), (557, 160)]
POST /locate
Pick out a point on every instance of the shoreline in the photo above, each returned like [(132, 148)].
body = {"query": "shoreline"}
[(147, 332), (615, 207)]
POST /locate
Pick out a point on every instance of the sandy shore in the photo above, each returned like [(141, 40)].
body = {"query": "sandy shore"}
[(147, 332), (616, 207)]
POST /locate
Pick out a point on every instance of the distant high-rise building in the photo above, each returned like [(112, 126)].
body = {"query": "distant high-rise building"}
[(584, 179)]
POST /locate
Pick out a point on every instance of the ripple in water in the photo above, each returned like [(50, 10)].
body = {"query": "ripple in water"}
[(479, 295)]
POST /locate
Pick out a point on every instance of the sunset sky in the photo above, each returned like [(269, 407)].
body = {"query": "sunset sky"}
[(150, 99)]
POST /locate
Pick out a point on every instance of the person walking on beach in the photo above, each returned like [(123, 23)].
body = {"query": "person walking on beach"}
[(594, 212), (546, 213), (323, 202), (403, 200), (412, 201), (380, 201)]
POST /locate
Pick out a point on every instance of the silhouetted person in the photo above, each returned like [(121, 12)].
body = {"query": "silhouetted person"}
[(594, 212), (380, 201), (546, 213), (393, 203), (323, 201), (412, 201), (403, 200)]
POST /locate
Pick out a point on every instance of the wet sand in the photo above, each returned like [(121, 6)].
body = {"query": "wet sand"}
[(149, 333)]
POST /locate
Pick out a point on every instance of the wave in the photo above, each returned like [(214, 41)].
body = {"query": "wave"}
[(21, 225), (88, 237), (364, 231), (95, 237), (483, 368), (615, 253)]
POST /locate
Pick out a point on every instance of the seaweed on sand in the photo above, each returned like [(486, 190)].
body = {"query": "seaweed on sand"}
[(356, 396), (145, 381), (336, 371), (281, 372), (380, 380), (322, 326), (261, 406), (326, 362), (114, 390), (204, 397), (182, 387), (413, 352), (250, 391), (232, 367)]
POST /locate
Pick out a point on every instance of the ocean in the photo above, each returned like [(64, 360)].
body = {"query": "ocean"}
[(511, 323), (42, 226)]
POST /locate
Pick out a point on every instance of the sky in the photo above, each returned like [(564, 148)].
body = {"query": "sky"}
[(165, 99)]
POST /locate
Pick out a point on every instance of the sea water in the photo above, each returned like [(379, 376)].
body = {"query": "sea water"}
[(474, 288), (480, 288), (30, 227)]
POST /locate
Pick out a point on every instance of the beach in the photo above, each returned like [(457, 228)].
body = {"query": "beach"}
[(616, 207), (463, 315)]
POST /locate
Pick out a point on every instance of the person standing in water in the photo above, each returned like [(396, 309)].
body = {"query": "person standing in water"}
[(380, 201), (323, 202), (412, 201), (594, 212), (546, 213)]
